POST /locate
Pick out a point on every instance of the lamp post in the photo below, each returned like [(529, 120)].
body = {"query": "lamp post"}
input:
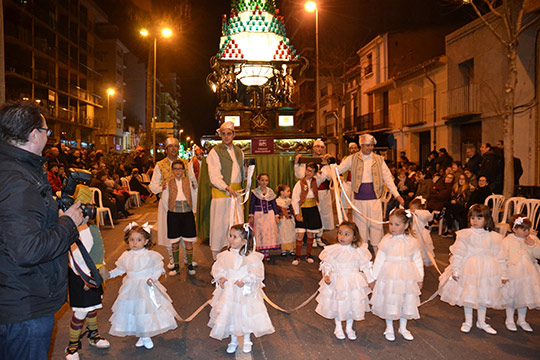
[(180, 135), (311, 6), (110, 92), (166, 33)]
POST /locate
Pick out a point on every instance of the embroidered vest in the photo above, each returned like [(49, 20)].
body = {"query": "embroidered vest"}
[(166, 171), (227, 162), (357, 169), (173, 192), (304, 190)]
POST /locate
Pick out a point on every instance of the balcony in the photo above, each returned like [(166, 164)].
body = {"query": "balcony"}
[(380, 120), (364, 122), (463, 102), (413, 112)]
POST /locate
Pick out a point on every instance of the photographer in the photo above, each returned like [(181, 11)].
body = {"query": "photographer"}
[(34, 239)]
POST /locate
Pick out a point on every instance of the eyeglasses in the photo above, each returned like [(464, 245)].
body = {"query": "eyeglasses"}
[(49, 131), (178, 168)]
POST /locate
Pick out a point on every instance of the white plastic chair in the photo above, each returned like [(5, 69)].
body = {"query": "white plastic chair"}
[(532, 208), (145, 178), (512, 206), (497, 201), (133, 195), (100, 209)]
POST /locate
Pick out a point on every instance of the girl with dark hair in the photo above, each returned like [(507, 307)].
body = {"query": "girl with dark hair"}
[(476, 272), (143, 308), (343, 290), (238, 302)]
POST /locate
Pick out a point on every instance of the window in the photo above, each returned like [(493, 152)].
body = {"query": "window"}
[(369, 66)]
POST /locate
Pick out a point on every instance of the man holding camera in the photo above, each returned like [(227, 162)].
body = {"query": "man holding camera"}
[(34, 240)]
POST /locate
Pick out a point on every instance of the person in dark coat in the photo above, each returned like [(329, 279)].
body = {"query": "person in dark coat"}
[(479, 195), (473, 160), (492, 168), (34, 239), (441, 193), (444, 160)]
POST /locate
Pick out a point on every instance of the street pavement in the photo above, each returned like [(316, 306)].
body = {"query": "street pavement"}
[(303, 334)]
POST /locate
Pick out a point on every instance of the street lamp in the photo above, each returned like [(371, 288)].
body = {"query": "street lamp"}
[(165, 33), (110, 92), (180, 135), (311, 6)]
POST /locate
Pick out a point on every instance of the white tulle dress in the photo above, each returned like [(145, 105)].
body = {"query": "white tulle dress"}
[(346, 297), (523, 273), (141, 310), (478, 263), (239, 310), (398, 268), (428, 250)]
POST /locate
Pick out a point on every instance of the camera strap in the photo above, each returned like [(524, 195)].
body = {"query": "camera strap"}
[(93, 279)]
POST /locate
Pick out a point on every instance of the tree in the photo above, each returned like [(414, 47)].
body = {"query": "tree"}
[(515, 16)]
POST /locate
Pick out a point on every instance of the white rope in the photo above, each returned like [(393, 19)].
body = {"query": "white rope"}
[(337, 190), (355, 209)]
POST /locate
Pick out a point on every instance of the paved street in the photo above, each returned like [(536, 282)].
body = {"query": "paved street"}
[(304, 334)]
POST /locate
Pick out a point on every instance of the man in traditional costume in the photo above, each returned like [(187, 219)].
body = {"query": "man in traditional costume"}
[(325, 195), (226, 172), (160, 178), (369, 175)]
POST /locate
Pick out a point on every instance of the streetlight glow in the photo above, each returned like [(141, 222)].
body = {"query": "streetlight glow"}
[(144, 32), (188, 138), (310, 6), (110, 91), (166, 32)]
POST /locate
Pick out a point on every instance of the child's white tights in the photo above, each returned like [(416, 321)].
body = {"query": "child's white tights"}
[(402, 325), (522, 312), (481, 315)]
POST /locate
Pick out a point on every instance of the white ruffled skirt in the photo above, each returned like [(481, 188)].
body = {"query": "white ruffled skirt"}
[(523, 286)]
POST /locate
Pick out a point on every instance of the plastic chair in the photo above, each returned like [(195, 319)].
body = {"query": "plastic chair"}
[(512, 206), (532, 208), (497, 201), (133, 195), (100, 209)]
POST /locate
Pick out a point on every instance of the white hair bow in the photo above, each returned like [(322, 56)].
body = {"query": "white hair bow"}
[(422, 200), (519, 220), (248, 229), (408, 213), (146, 227)]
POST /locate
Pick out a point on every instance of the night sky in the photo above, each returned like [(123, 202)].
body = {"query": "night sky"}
[(344, 26)]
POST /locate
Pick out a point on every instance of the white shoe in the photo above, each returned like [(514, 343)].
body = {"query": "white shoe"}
[(191, 270), (74, 356), (406, 334), (100, 344), (315, 243), (487, 328), (310, 260), (466, 327), (148, 343), (170, 265), (510, 325), (139, 343), (231, 348), (319, 242), (174, 272), (389, 335), (338, 331), (525, 326), (247, 346), (295, 262), (351, 334)]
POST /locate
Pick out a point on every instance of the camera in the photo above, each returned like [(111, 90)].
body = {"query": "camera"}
[(75, 177)]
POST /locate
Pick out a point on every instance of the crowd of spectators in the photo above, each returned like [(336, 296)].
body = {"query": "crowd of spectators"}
[(451, 187), (108, 168)]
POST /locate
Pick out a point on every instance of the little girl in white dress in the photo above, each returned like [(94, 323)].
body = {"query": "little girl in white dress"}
[(143, 308), (399, 272), (475, 275), (343, 290), (522, 290), (238, 302), (418, 208)]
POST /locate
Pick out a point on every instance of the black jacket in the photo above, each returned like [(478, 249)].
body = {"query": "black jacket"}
[(33, 240)]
